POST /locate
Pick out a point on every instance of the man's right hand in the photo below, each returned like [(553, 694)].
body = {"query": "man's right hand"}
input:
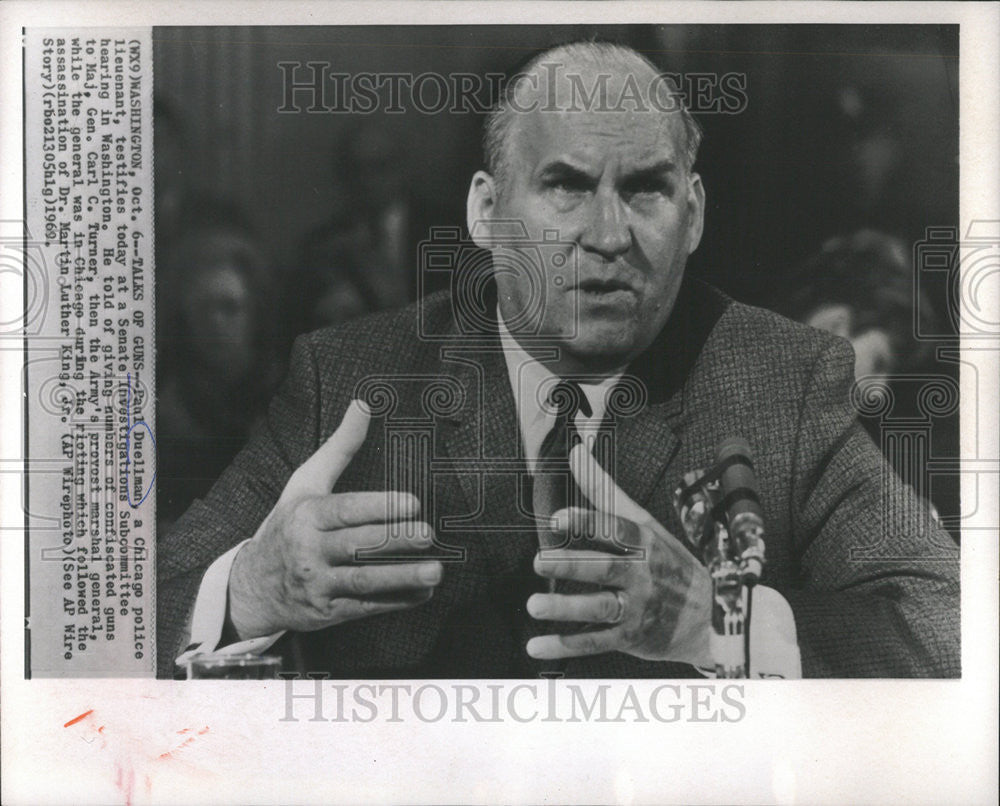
[(301, 571)]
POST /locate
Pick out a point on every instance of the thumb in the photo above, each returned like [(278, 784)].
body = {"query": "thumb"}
[(600, 488), (319, 473)]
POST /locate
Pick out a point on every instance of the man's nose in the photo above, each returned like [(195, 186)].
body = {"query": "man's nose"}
[(607, 231)]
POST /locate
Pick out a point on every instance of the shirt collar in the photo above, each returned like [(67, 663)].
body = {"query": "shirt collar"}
[(530, 381)]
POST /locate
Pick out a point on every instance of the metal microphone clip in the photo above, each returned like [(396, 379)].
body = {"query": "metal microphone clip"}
[(723, 524)]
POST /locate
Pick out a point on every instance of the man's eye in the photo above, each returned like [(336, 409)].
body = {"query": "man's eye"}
[(648, 188), (568, 185)]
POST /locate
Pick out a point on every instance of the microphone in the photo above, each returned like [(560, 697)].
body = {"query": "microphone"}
[(741, 504)]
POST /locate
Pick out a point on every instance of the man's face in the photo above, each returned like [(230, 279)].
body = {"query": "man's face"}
[(613, 185)]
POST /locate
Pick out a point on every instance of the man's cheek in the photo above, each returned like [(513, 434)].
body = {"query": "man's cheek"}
[(559, 307)]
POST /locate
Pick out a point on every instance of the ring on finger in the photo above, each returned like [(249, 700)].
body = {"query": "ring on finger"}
[(619, 614)]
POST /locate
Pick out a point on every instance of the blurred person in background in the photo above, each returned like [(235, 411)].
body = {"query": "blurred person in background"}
[(215, 362), (329, 287), (377, 214), (860, 287)]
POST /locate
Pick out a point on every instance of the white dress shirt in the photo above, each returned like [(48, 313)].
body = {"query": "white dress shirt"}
[(531, 382)]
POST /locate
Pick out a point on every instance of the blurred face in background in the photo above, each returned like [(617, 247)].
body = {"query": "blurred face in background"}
[(874, 356), (339, 302), (218, 319), (614, 187)]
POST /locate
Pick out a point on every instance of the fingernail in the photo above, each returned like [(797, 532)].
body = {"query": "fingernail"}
[(403, 506), (536, 607), (430, 574)]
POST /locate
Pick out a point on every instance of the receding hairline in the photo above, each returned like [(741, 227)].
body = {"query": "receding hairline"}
[(584, 54)]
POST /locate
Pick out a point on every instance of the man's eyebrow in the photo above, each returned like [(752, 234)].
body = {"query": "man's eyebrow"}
[(654, 171), (561, 168)]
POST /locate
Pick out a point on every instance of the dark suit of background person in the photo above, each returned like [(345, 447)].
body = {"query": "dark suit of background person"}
[(872, 582)]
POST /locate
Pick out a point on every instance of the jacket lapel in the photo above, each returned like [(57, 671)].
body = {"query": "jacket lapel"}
[(483, 443), (647, 409), (644, 445)]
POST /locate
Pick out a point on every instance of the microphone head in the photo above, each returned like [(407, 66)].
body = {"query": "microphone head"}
[(734, 446), (742, 506), (735, 462)]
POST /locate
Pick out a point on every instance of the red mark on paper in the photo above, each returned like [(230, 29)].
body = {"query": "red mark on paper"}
[(132, 769), (189, 740), (76, 719), (125, 781)]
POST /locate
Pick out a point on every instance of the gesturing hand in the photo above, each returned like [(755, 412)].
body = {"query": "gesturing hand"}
[(657, 598), (301, 571)]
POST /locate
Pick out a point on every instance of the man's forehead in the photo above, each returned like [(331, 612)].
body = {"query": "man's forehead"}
[(595, 111), (591, 138)]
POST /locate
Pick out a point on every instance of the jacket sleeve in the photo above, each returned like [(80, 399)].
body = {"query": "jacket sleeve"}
[(238, 502), (879, 579)]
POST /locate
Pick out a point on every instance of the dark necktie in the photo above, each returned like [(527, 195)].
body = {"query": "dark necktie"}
[(553, 487)]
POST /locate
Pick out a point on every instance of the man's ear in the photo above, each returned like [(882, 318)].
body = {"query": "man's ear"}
[(696, 211), (480, 207)]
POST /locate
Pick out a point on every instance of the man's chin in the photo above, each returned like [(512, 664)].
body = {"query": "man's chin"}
[(603, 346)]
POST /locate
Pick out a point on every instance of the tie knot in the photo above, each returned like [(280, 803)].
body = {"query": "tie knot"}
[(567, 398)]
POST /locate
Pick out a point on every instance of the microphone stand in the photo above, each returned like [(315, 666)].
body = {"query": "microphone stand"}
[(734, 556)]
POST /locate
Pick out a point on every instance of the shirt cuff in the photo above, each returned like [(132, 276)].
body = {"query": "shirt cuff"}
[(209, 616)]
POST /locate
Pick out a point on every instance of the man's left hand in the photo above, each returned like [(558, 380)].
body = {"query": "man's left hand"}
[(656, 598)]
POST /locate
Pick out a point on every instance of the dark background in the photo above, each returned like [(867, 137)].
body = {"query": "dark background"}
[(847, 127)]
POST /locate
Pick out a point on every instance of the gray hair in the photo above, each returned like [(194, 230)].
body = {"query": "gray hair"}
[(496, 132)]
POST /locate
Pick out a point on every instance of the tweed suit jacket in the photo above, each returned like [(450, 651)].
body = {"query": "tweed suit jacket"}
[(872, 582)]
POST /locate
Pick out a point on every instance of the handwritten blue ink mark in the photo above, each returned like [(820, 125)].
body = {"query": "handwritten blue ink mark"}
[(128, 451)]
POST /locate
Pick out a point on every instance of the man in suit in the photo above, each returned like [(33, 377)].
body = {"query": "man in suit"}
[(404, 542)]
